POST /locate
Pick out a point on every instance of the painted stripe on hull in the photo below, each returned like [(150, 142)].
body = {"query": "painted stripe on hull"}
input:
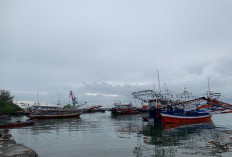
[(19, 124), (183, 119)]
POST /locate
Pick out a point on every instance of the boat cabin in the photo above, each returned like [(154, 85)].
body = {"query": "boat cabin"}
[(46, 108)]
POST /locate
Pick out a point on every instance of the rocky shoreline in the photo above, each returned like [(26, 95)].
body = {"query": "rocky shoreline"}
[(9, 148)]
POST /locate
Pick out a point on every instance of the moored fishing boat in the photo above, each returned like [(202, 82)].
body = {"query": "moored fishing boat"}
[(47, 112), (179, 116), (57, 114), (16, 124), (164, 108)]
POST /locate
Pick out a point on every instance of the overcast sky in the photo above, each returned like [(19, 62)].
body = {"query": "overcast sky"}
[(105, 49)]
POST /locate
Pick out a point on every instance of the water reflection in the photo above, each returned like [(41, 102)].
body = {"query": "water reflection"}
[(173, 134), (204, 139), (127, 124), (60, 125), (50, 125), (125, 135)]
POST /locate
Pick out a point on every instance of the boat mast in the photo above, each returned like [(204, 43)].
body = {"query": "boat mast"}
[(155, 97), (208, 85), (208, 92), (37, 101), (158, 80), (167, 93), (154, 86), (153, 94), (159, 92), (186, 95), (165, 90), (211, 94), (58, 103)]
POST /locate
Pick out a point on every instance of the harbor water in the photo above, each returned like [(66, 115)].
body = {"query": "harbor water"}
[(102, 135)]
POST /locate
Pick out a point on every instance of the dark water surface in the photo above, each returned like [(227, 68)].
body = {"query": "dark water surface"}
[(101, 135)]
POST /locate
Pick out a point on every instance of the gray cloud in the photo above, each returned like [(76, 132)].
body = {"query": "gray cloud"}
[(89, 46)]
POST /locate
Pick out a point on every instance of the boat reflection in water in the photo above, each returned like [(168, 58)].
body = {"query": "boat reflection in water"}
[(173, 133), (200, 139)]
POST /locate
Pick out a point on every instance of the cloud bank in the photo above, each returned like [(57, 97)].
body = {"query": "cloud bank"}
[(112, 48)]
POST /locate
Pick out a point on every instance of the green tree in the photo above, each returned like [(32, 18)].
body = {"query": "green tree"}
[(67, 106), (7, 105), (6, 97)]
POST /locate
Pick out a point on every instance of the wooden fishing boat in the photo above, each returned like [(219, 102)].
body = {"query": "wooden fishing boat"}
[(49, 112), (16, 124)]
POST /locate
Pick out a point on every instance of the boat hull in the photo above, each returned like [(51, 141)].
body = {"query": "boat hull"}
[(166, 118), (54, 116), (4, 116)]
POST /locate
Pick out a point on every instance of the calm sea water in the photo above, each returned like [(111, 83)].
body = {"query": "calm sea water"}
[(101, 135)]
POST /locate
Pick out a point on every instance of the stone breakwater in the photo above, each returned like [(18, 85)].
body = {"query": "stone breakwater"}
[(9, 148)]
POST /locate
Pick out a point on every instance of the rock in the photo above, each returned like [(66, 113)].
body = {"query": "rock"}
[(16, 150), (8, 147)]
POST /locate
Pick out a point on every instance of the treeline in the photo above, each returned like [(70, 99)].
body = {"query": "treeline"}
[(7, 105), (67, 106)]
